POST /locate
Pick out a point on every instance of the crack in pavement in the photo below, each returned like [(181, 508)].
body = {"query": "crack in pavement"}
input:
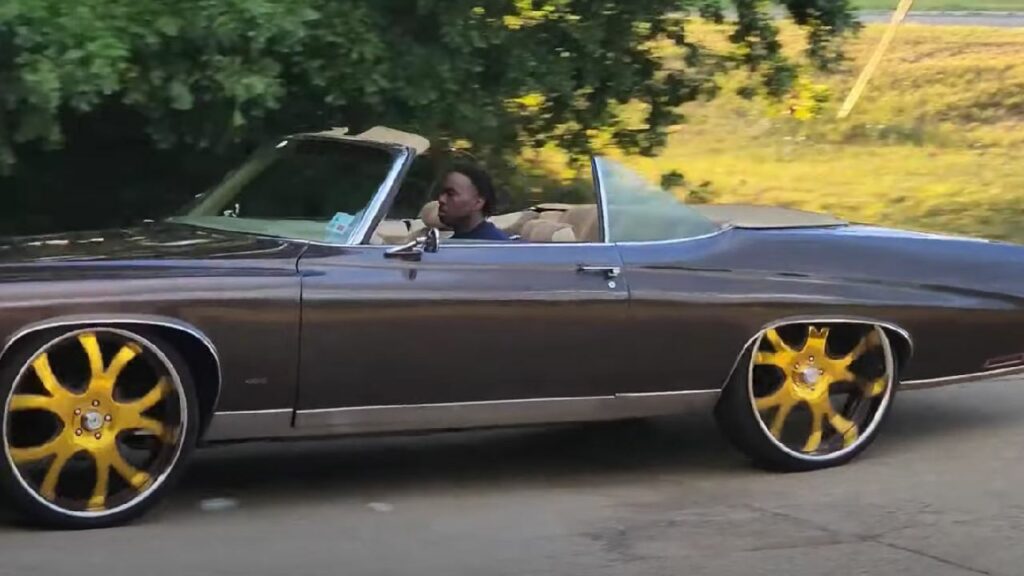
[(845, 537)]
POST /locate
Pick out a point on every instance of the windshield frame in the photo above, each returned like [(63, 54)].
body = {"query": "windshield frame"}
[(401, 159)]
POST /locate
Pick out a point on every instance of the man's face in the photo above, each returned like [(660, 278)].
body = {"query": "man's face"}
[(458, 200)]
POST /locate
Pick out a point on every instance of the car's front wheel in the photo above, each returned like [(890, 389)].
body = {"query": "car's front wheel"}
[(96, 425), (809, 396)]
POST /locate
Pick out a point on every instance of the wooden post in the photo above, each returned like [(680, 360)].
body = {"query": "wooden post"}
[(876, 58)]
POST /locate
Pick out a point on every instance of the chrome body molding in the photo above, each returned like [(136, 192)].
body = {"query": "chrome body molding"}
[(961, 379), (268, 424), (225, 426)]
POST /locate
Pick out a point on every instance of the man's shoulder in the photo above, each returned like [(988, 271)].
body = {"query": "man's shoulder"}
[(488, 231)]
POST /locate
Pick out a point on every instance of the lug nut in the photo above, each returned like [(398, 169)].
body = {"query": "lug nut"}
[(107, 418), (78, 432), (78, 411), (95, 402), (98, 435), (811, 358)]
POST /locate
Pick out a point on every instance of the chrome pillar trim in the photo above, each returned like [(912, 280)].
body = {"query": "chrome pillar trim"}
[(961, 379), (361, 234), (602, 199), (249, 424)]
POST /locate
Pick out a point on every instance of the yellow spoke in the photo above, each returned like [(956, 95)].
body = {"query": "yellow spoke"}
[(146, 424), (870, 340), (769, 401), (845, 427), (817, 339), (814, 440), (877, 388), (150, 399), (49, 487), (765, 358), (98, 501), (137, 478), (777, 342), (41, 366), (32, 402), (92, 349), (23, 455), (780, 419), (125, 355)]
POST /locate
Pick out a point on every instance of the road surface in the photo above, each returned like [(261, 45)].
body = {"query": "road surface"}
[(938, 494), (995, 19)]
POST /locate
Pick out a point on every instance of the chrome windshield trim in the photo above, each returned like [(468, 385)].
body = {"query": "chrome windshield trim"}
[(602, 199), (380, 200)]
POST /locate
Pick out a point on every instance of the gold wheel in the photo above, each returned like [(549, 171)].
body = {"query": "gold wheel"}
[(94, 421), (819, 390)]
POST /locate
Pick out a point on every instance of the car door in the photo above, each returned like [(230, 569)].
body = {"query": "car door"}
[(478, 332)]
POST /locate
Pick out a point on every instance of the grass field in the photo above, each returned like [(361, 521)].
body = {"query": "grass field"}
[(936, 143), (944, 4)]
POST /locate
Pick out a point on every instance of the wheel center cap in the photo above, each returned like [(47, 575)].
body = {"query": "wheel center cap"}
[(92, 421), (810, 376)]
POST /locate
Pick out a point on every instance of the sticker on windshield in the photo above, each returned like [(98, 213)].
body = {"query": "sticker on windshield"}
[(338, 227)]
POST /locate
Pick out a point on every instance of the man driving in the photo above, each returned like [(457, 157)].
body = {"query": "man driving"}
[(465, 200)]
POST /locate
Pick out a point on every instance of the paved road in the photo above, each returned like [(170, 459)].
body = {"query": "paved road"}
[(996, 19), (939, 494)]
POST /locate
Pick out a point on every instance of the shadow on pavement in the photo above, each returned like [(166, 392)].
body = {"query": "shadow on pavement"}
[(549, 456)]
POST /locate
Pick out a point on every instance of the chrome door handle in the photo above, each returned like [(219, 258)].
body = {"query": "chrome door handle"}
[(609, 272)]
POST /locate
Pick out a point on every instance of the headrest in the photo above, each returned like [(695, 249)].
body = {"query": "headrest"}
[(428, 214)]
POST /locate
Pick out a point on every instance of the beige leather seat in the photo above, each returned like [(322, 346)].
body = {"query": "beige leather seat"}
[(544, 231), (513, 222), (584, 221)]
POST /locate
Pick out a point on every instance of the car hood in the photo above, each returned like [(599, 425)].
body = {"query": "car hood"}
[(153, 242)]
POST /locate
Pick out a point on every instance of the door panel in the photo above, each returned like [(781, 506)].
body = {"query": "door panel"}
[(468, 323)]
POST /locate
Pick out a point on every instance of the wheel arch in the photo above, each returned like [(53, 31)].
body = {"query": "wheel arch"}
[(902, 341), (198, 350)]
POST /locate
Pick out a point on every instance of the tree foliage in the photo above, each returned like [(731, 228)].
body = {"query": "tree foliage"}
[(214, 74)]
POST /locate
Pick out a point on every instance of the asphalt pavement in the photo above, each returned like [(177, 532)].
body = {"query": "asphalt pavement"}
[(995, 19), (939, 493)]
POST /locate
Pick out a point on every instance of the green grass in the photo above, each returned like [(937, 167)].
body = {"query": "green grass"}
[(935, 144), (944, 4)]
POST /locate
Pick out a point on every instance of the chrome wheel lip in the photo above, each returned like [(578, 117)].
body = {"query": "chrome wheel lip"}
[(864, 435), (157, 481)]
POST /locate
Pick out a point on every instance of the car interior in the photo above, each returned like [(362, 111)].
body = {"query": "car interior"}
[(542, 223)]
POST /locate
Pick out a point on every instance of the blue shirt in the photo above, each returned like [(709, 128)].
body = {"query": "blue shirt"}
[(484, 231)]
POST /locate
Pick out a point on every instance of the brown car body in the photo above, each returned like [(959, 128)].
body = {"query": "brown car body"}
[(290, 338)]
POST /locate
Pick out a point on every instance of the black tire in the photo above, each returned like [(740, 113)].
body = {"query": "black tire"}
[(31, 507), (742, 426)]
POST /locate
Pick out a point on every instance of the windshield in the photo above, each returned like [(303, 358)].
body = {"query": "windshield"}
[(639, 211), (304, 189)]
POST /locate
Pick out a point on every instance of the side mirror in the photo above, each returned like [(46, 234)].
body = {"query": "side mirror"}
[(414, 250), (432, 241)]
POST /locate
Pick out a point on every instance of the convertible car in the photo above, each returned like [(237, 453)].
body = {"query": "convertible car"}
[(314, 293)]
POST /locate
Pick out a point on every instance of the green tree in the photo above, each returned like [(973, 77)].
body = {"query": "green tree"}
[(219, 75)]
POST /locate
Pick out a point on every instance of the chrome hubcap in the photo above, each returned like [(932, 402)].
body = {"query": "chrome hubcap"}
[(92, 421)]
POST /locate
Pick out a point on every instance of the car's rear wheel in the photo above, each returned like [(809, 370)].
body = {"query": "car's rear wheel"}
[(809, 396), (96, 425)]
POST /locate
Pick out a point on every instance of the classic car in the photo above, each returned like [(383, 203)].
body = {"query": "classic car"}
[(314, 293)]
